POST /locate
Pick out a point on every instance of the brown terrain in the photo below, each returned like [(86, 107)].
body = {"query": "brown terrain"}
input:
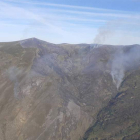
[(69, 92)]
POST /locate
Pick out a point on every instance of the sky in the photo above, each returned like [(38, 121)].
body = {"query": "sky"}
[(115, 22)]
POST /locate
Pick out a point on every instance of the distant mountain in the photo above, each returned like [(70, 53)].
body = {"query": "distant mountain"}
[(69, 91)]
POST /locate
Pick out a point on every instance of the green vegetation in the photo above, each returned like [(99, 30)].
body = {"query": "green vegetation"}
[(120, 119)]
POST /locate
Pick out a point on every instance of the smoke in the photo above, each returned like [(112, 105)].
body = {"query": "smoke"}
[(113, 32), (102, 36), (14, 73), (105, 32), (118, 70), (125, 59)]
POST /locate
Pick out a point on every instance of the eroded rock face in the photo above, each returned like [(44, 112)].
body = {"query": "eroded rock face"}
[(52, 92)]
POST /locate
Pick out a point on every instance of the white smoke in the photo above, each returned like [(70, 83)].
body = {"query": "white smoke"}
[(117, 70), (13, 73), (102, 36), (124, 59), (106, 32)]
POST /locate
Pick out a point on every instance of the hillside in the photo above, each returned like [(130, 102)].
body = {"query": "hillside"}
[(68, 92)]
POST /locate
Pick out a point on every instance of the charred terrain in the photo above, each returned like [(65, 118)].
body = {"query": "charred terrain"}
[(69, 92)]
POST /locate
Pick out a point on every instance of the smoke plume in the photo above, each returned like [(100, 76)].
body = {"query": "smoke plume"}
[(106, 32), (125, 59), (13, 73), (102, 36)]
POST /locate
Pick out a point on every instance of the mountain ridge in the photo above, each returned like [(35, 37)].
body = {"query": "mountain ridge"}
[(51, 91), (34, 38)]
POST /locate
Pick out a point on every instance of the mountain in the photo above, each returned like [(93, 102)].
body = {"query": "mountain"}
[(68, 91)]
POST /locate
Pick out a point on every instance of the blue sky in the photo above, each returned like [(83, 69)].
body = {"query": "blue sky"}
[(71, 21)]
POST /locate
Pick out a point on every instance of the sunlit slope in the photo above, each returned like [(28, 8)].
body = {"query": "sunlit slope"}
[(55, 92)]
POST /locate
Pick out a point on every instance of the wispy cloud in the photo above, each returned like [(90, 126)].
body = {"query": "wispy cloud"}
[(17, 12), (63, 6), (60, 22)]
